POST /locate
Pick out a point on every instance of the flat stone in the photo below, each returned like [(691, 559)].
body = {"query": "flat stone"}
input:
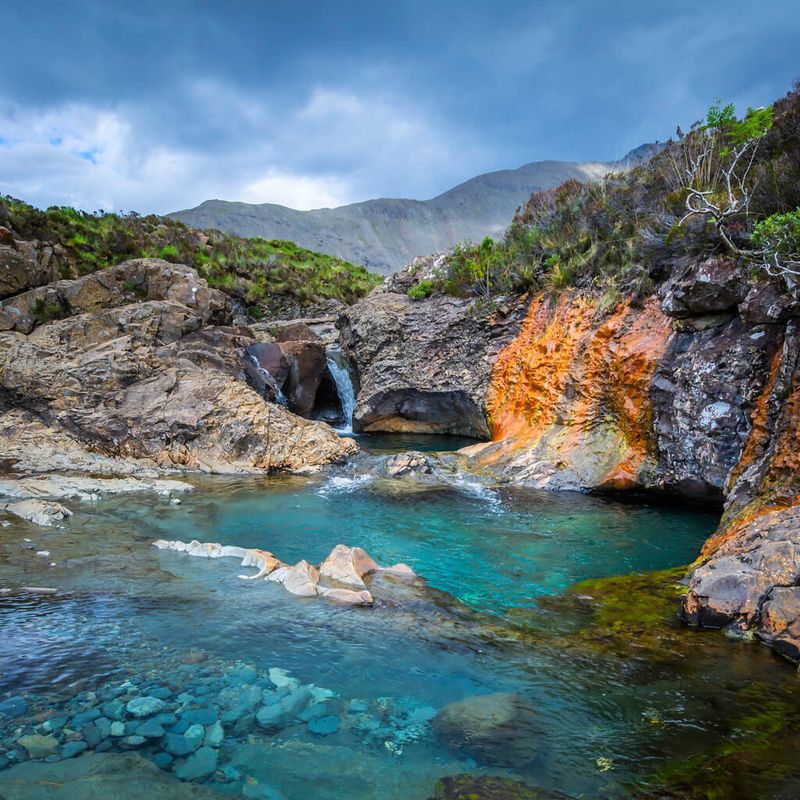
[(134, 741), (179, 745), (55, 724), (13, 706), (85, 717), (324, 726), (72, 749), (163, 760), (150, 729), (117, 728), (114, 709), (201, 716), (201, 764), (144, 706), (214, 735), (39, 746)]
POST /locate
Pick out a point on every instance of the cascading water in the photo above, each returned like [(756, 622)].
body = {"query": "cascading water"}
[(280, 397), (339, 368)]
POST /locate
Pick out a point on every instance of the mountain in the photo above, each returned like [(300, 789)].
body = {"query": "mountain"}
[(386, 234)]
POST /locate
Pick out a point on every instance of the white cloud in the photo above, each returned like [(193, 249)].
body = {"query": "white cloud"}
[(332, 147)]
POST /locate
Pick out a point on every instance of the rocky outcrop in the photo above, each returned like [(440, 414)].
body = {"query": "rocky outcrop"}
[(39, 512), (23, 264), (345, 569), (423, 366), (153, 384)]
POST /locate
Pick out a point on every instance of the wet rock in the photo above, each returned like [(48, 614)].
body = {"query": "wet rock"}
[(117, 729), (178, 744), (13, 707), (39, 512), (39, 746), (214, 735), (133, 741), (496, 728), (324, 726), (163, 760), (84, 488), (402, 464), (79, 720), (423, 366), (716, 284), (144, 706), (279, 713), (348, 565), (201, 716), (150, 730), (199, 765), (73, 749), (114, 709), (768, 302), (739, 574), (490, 787), (780, 621)]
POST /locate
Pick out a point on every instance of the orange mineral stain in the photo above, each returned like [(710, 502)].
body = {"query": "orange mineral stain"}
[(587, 374)]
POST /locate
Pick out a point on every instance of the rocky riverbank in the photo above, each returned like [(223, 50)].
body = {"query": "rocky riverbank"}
[(691, 394), (133, 369)]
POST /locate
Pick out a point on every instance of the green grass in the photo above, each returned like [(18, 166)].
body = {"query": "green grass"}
[(260, 273)]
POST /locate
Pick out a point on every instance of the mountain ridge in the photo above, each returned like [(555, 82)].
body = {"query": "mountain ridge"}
[(386, 233)]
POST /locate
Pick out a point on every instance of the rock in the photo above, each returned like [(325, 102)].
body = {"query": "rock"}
[(402, 464), (199, 765), (278, 714), (85, 488), (150, 729), (142, 387), (114, 709), (55, 724), (768, 302), (716, 284), (144, 706), (72, 749), (423, 366), (489, 787), (324, 726), (39, 746), (300, 579), (134, 741), (738, 576), (293, 331), (122, 776), (39, 512), (178, 744), (780, 621), (214, 735), (118, 728), (163, 760), (497, 729), (14, 707), (307, 364), (84, 717), (347, 565), (201, 716)]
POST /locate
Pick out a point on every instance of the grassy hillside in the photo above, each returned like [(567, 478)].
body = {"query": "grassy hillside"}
[(262, 274), (623, 234)]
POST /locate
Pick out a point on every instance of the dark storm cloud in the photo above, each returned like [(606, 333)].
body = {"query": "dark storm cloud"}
[(159, 105)]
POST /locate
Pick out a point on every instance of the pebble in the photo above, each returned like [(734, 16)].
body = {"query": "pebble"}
[(118, 728), (54, 724), (201, 716), (14, 706), (144, 706), (324, 726), (179, 745), (72, 749), (150, 729), (134, 741), (175, 501), (85, 717), (201, 764), (163, 760), (214, 735)]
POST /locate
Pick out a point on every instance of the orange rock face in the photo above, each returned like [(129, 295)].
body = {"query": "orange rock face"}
[(573, 387)]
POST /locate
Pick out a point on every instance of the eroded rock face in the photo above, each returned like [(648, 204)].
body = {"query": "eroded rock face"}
[(147, 385), (23, 265), (423, 365), (714, 285)]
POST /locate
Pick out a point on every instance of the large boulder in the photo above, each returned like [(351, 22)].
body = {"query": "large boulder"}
[(130, 282), (23, 265), (424, 366), (499, 729), (714, 285)]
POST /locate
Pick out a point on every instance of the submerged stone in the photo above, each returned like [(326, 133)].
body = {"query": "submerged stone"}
[(55, 724), (163, 760), (150, 729), (39, 746), (85, 717), (13, 706), (72, 749), (490, 787), (201, 764), (201, 716), (214, 735), (324, 726), (114, 709), (144, 706)]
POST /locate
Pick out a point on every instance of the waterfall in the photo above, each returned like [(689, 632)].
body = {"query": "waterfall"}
[(340, 372), (270, 381)]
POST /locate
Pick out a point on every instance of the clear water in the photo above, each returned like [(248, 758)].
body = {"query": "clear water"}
[(605, 721)]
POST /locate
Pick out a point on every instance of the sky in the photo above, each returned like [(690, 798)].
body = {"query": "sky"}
[(157, 105)]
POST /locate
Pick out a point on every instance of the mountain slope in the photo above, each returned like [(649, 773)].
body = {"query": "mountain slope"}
[(386, 234)]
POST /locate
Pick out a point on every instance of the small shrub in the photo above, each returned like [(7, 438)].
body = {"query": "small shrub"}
[(421, 290)]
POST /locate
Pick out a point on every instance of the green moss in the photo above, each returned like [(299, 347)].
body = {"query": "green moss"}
[(45, 312), (421, 290)]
